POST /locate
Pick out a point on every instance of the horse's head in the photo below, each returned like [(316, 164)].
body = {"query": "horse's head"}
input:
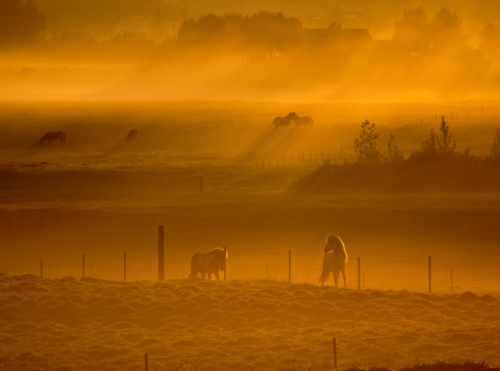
[(332, 241), (291, 115), (222, 260)]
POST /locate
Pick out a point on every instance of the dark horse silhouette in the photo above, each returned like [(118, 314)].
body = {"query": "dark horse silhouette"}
[(210, 262), (132, 135), (305, 120), (50, 136), (282, 121)]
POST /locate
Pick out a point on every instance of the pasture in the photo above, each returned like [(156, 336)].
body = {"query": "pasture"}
[(99, 196)]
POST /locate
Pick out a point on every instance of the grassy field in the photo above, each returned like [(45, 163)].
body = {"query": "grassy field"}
[(236, 325), (100, 197)]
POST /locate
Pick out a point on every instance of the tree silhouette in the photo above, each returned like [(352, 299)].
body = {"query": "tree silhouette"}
[(366, 146), (411, 33), (446, 32), (20, 22), (490, 38)]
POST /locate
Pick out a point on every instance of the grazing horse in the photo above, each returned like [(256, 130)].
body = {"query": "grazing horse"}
[(305, 120), (50, 136), (210, 262), (334, 260), (132, 135), (282, 121)]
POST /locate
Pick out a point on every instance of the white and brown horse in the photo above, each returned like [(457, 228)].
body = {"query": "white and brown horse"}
[(50, 136), (208, 263), (334, 260)]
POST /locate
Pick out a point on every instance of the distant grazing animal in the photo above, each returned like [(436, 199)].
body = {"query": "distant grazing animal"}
[(334, 260), (208, 263), (50, 136), (305, 120), (132, 135), (282, 121)]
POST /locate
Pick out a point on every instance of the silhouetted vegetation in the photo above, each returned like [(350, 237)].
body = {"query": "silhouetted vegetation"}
[(20, 22), (435, 167), (270, 50)]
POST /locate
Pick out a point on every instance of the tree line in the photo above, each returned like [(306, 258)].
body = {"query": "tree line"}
[(435, 167), (22, 23)]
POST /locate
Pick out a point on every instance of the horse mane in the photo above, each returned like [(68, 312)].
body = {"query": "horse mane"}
[(218, 250)]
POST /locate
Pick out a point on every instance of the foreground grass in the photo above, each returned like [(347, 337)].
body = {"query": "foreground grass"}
[(236, 325)]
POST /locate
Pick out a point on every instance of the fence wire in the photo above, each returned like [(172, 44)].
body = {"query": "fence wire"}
[(370, 274)]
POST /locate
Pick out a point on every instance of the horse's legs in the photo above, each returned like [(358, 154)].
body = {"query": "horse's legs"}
[(343, 276), (336, 278), (216, 274), (203, 274)]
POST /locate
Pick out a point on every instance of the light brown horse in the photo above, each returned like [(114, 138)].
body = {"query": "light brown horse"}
[(208, 263), (50, 136), (334, 260)]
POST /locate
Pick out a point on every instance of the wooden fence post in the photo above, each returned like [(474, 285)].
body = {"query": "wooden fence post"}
[(83, 266), (124, 266), (289, 266), (161, 254), (335, 353), (146, 365), (451, 279), (41, 268), (225, 262), (430, 275), (359, 273)]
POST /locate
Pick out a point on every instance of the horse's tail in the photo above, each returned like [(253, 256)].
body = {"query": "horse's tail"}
[(326, 270), (194, 266)]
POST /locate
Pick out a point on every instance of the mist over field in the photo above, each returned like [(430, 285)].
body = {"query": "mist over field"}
[(308, 52), (134, 135)]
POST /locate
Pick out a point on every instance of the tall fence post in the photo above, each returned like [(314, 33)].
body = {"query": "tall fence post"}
[(335, 353), (430, 275), (146, 363), (225, 262), (41, 268), (83, 266), (359, 273), (161, 254), (124, 266), (289, 266), (451, 279)]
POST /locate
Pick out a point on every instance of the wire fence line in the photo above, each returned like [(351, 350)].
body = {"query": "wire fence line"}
[(424, 276)]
